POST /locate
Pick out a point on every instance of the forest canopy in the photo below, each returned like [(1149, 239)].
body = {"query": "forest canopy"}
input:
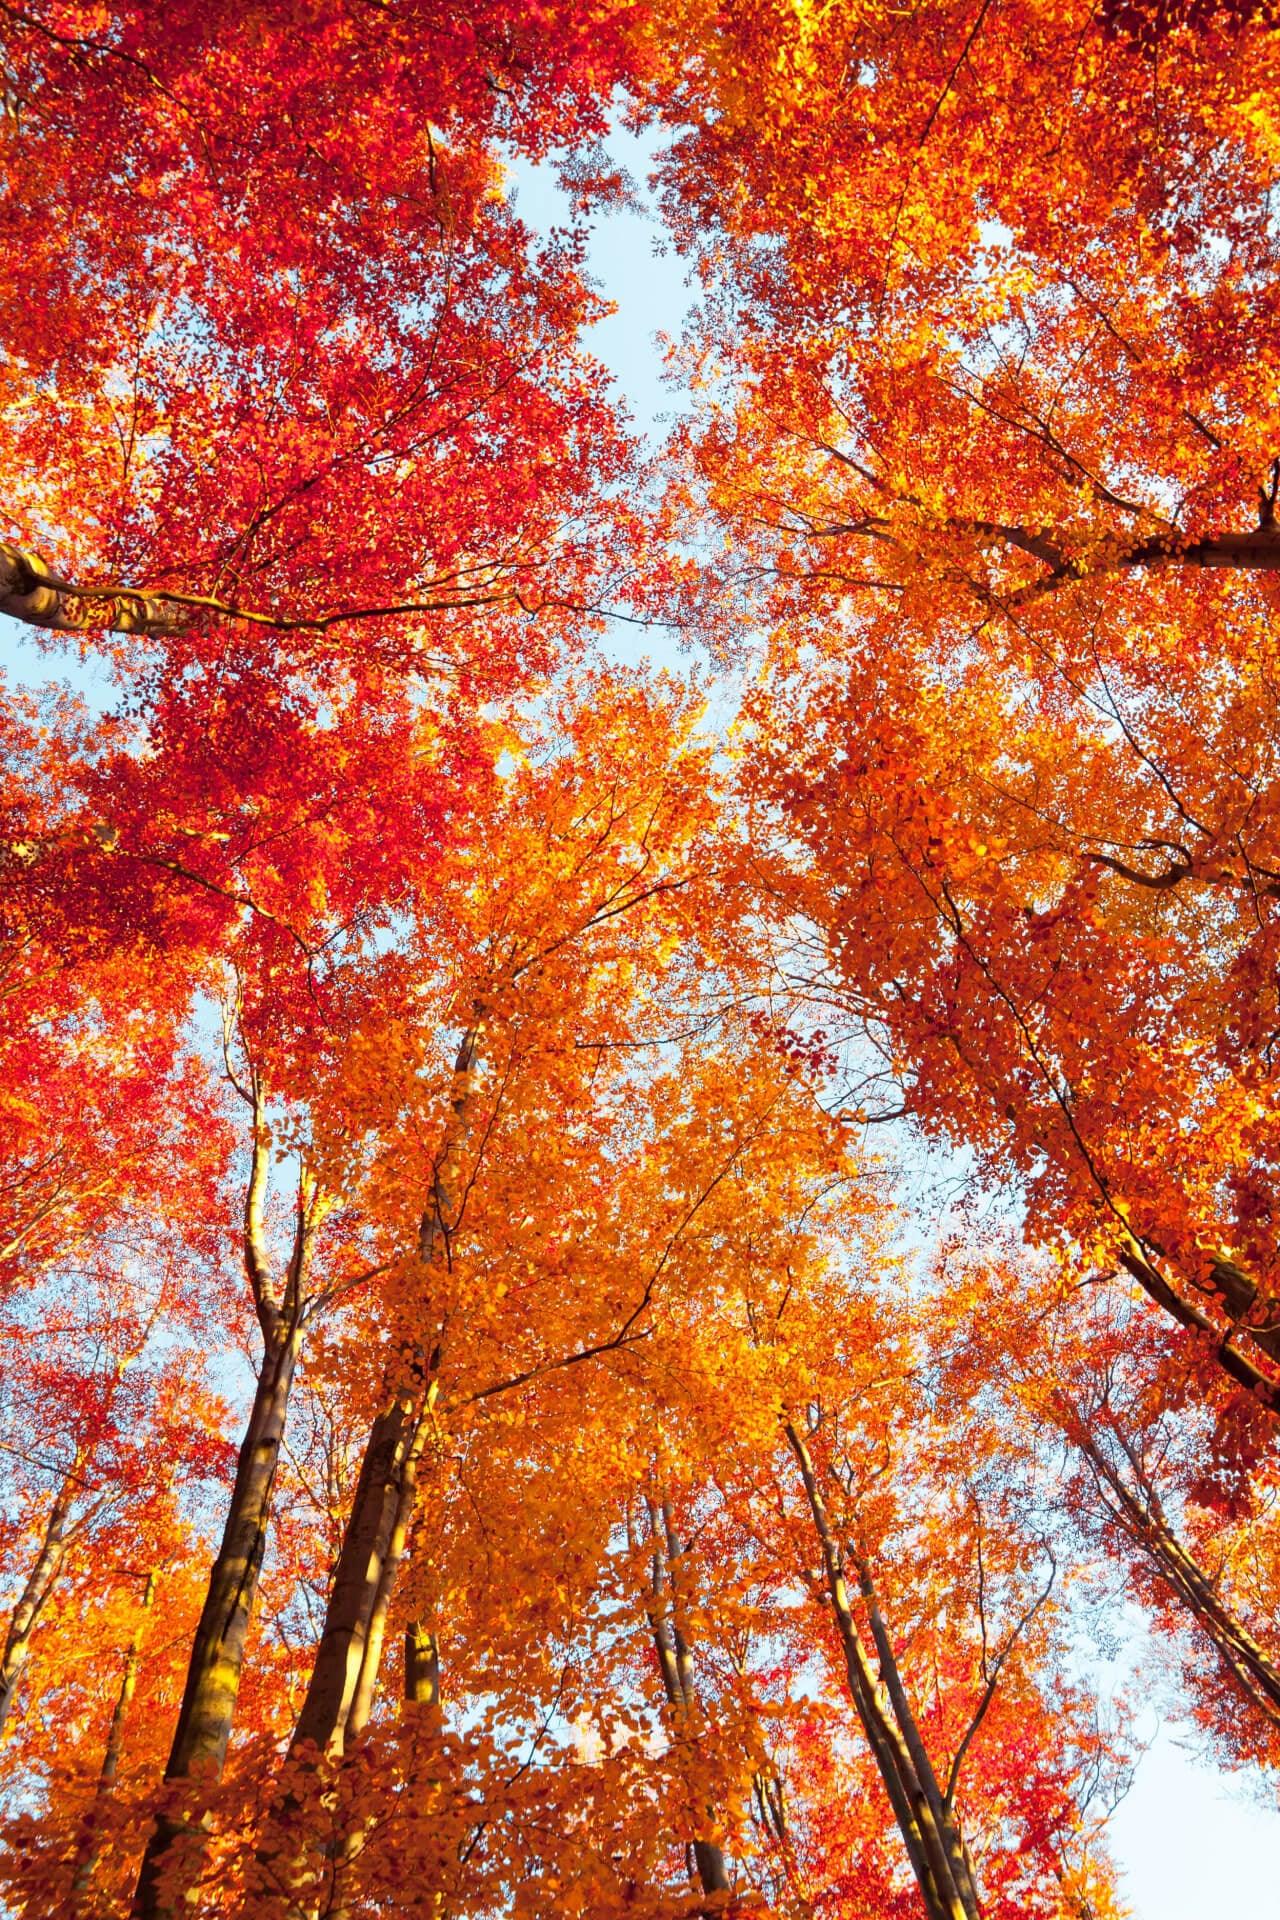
[(611, 1301)]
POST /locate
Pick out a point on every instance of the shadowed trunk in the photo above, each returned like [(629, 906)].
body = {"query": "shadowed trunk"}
[(115, 1741), (213, 1676), (932, 1838), (1139, 1513), (371, 1658), (350, 1646), (344, 1676), (176, 1846), (675, 1663), (39, 1584)]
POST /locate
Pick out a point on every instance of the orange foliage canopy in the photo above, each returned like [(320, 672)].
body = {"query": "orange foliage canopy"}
[(1001, 467), (484, 1433)]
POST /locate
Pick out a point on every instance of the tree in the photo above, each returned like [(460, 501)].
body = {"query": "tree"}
[(989, 447), (640, 1501), (105, 1407), (1166, 1482), (296, 303)]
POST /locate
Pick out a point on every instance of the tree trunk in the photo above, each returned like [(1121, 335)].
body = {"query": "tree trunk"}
[(31, 1602), (1221, 1342), (1138, 1511), (675, 1663), (361, 1592), (371, 1658), (128, 1681), (957, 1852), (175, 1849), (217, 1656), (115, 1743), (934, 1845), (345, 1673), (422, 1667), (341, 1690)]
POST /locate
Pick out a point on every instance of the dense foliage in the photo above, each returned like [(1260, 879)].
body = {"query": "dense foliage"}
[(501, 1413)]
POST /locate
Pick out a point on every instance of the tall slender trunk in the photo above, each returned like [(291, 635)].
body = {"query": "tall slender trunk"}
[(345, 1672), (771, 1812), (176, 1846), (675, 1663), (39, 1584), (421, 1692), (891, 1675), (930, 1833), (213, 1676), (217, 1656), (371, 1659), (340, 1666), (361, 1589), (1139, 1512), (115, 1743), (60, 1532), (128, 1683)]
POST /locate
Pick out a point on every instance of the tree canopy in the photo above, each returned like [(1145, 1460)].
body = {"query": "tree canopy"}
[(608, 1311)]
